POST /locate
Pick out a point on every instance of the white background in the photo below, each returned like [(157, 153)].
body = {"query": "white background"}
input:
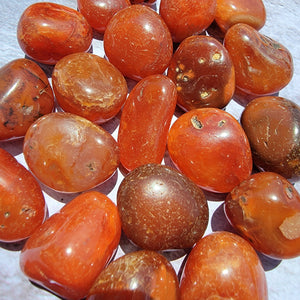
[(283, 277)]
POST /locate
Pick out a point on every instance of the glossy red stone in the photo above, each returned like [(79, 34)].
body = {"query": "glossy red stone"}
[(69, 153), (187, 17), (137, 275), (161, 209), (25, 95), (48, 31), (66, 254), (272, 125), (99, 12), (231, 12), (223, 265), (210, 147), (138, 42), (145, 121), (265, 210), (262, 65), (22, 204), (203, 73), (88, 85)]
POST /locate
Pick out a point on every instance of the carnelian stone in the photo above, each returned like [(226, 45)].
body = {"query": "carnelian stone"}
[(265, 209), (67, 253), (22, 204), (203, 72), (231, 12), (161, 209), (145, 121), (272, 125), (210, 146), (138, 275), (88, 85), (187, 17), (138, 42), (262, 65), (99, 12), (69, 153), (223, 265), (25, 95), (48, 31)]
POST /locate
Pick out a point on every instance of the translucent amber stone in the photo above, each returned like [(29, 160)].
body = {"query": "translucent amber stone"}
[(138, 42), (48, 31), (187, 17), (262, 65), (231, 12), (25, 95), (210, 147), (223, 265), (89, 86), (145, 121), (22, 205), (99, 12), (67, 253), (69, 153), (265, 210), (138, 275)]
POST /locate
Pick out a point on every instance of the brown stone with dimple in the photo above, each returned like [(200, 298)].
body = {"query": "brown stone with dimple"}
[(272, 125), (203, 73)]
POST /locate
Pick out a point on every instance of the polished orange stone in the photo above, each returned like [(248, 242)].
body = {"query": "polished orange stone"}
[(203, 73), (69, 153), (230, 12), (99, 12), (48, 31), (88, 85), (137, 275), (265, 210), (223, 265), (22, 205), (145, 121), (67, 253), (187, 17), (25, 95), (262, 65), (138, 42), (210, 147)]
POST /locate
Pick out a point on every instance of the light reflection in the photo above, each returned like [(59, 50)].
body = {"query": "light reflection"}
[(69, 250), (101, 4), (147, 27), (225, 272), (133, 284), (274, 198), (157, 188), (224, 134), (88, 90), (11, 90)]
